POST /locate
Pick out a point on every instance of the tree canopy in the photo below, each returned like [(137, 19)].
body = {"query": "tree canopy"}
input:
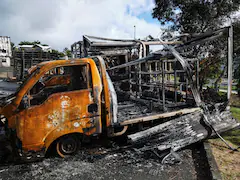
[(31, 43), (60, 54), (237, 54), (67, 52), (194, 15), (197, 16)]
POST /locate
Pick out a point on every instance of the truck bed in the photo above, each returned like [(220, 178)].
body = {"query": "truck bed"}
[(130, 112)]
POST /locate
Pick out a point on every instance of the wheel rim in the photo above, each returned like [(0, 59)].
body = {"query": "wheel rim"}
[(69, 146)]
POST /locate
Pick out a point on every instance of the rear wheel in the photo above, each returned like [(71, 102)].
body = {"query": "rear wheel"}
[(67, 145)]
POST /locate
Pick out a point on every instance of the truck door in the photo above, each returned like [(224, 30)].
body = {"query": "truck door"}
[(60, 109)]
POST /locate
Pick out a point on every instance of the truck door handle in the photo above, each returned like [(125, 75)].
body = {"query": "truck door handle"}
[(93, 108)]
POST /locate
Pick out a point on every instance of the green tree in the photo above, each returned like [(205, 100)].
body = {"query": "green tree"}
[(12, 45), (60, 54), (237, 76), (67, 52), (31, 43), (236, 30), (36, 42), (194, 15), (197, 16)]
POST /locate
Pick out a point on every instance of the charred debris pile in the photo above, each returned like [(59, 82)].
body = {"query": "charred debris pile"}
[(168, 80)]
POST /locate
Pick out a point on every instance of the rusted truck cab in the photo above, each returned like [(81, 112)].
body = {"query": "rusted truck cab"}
[(43, 112)]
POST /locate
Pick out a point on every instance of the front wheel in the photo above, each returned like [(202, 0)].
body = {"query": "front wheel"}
[(67, 145)]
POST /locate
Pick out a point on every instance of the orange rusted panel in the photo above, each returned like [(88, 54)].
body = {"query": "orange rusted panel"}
[(65, 112), (106, 89), (31, 69), (61, 113)]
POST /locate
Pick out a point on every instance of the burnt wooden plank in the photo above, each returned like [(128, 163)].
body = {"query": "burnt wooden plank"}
[(159, 116)]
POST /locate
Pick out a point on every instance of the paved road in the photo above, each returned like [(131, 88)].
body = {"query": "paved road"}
[(104, 163), (7, 88)]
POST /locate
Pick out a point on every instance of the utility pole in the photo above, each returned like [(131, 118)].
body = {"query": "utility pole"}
[(134, 32), (230, 60)]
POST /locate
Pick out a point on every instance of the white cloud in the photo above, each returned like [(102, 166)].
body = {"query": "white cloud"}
[(59, 23)]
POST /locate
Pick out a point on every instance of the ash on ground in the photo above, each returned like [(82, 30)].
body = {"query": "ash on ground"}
[(101, 162)]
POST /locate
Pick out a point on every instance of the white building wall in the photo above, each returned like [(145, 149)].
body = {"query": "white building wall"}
[(5, 51)]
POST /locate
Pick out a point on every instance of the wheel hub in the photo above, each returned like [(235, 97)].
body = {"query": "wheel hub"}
[(69, 146)]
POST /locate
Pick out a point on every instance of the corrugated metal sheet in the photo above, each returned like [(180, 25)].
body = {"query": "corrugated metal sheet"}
[(5, 51)]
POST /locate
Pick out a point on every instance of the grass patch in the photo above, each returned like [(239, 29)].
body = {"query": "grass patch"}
[(234, 135), (235, 112), (222, 94), (228, 161), (226, 87), (235, 101)]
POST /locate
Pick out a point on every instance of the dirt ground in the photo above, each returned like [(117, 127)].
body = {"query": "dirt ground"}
[(112, 163), (228, 161)]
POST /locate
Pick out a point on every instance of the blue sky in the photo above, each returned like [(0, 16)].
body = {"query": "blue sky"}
[(147, 16)]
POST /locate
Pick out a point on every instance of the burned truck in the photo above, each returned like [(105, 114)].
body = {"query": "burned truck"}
[(62, 102)]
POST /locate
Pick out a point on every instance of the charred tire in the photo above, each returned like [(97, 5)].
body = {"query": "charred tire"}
[(67, 145)]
